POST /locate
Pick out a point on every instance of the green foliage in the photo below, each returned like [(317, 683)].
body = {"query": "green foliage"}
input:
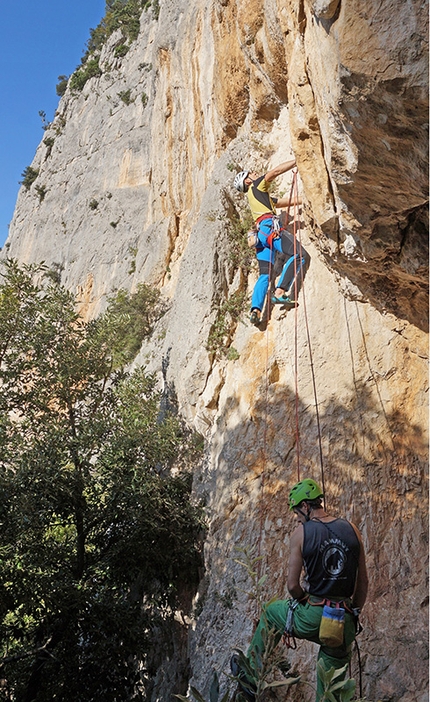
[(222, 330), (264, 665), (98, 534), (61, 86), (93, 204), (45, 123), (59, 125), (250, 562), (124, 95), (144, 99), (121, 50), (155, 8), (120, 14), (41, 191), (240, 254), (49, 143), (91, 69), (233, 354), (337, 688), (132, 317), (28, 176)]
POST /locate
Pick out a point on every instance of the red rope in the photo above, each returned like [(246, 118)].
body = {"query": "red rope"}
[(310, 358), (296, 355)]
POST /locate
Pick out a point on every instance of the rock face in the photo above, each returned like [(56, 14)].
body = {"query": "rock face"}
[(135, 184)]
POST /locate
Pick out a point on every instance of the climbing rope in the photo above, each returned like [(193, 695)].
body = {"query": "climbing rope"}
[(293, 194), (298, 254), (298, 240), (265, 419)]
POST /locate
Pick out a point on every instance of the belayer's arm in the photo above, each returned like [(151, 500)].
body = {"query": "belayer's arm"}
[(295, 564)]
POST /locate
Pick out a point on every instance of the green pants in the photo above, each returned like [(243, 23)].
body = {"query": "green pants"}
[(307, 620)]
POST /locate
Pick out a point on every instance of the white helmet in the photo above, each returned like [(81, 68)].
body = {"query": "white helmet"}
[(239, 181)]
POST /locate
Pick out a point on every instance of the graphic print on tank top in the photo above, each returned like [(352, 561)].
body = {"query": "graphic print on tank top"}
[(333, 556)]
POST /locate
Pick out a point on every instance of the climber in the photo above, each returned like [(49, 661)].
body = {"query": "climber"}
[(263, 209), (325, 608)]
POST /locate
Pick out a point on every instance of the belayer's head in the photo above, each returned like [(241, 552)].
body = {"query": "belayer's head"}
[(304, 497), (239, 181)]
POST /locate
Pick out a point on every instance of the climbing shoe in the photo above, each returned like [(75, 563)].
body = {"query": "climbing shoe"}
[(284, 300), (255, 317), (245, 687)]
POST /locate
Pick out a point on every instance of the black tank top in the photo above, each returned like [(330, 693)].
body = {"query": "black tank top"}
[(330, 554)]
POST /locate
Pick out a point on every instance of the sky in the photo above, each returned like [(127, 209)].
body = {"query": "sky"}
[(40, 41)]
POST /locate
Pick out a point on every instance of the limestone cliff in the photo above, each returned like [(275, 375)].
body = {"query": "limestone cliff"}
[(135, 184)]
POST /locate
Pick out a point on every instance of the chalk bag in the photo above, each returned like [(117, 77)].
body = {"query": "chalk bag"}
[(331, 627)]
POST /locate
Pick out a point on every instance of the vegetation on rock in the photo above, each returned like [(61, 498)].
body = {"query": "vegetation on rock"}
[(28, 176)]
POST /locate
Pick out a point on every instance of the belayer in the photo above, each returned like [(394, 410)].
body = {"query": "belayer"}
[(325, 608), (269, 238)]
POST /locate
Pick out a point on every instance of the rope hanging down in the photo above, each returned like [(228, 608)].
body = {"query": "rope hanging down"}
[(299, 238), (293, 200)]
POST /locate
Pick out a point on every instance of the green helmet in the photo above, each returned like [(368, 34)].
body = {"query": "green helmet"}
[(304, 490)]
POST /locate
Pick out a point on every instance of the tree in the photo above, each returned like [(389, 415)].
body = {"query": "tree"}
[(98, 536), (61, 86)]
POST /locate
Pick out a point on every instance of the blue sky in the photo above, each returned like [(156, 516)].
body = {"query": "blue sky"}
[(40, 41)]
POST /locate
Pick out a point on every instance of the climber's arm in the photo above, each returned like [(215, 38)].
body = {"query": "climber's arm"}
[(278, 170), (285, 201)]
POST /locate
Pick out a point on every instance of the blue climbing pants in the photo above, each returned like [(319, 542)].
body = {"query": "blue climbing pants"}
[(306, 624), (293, 271)]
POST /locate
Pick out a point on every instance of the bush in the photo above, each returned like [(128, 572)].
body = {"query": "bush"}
[(29, 175), (41, 191), (62, 85), (49, 143), (81, 75), (136, 314), (121, 50), (125, 96), (240, 255), (223, 328)]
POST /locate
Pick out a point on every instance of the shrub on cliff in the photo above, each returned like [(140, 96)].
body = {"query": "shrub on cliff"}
[(90, 70), (120, 14), (61, 86), (28, 176), (98, 533)]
